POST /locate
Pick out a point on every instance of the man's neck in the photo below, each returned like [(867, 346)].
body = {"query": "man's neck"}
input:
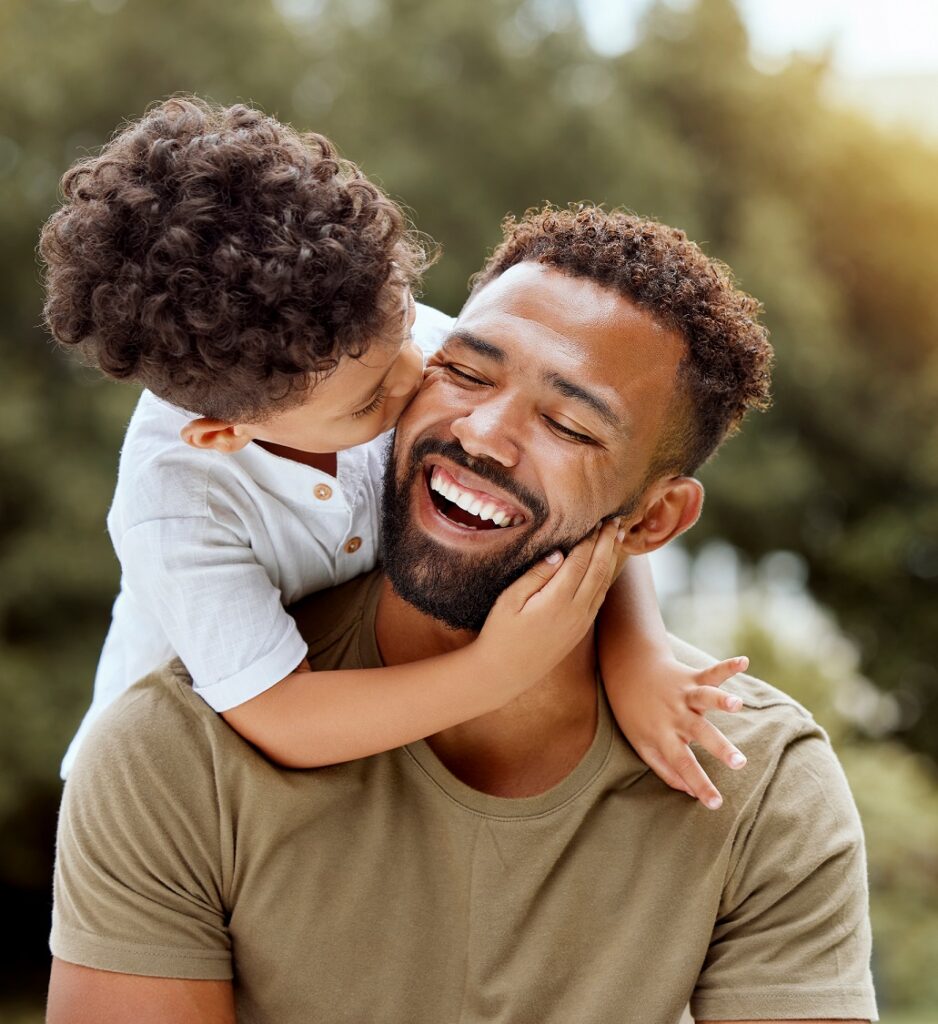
[(523, 748)]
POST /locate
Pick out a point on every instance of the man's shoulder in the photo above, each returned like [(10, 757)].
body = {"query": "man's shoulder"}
[(158, 722)]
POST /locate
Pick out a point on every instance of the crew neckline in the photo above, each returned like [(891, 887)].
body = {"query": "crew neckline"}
[(425, 760)]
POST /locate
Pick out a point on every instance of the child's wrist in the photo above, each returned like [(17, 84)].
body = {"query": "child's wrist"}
[(637, 657), (504, 676)]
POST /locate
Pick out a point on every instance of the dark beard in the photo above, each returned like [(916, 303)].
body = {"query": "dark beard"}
[(458, 590)]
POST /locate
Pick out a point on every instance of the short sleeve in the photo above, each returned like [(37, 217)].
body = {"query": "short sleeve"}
[(792, 939), (216, 604), (431, 329), (139, 854)]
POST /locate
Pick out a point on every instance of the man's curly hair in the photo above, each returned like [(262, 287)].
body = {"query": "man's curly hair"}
[(223, 260), (725, 371)]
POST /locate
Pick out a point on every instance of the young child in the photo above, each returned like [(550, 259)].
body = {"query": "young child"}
[(260, 289)]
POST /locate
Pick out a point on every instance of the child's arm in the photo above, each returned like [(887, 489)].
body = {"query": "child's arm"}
[(659, 702), (310, 719)]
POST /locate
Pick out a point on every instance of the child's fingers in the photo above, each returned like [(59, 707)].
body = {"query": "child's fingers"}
[(663, 770), (717, 674), (711, 698), (695, 778), (568, 578), (708, 736), (600, 571), (515, 597), (580, 576), (619, 553)]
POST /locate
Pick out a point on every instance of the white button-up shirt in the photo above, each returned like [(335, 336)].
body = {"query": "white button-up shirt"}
[(212, 547)]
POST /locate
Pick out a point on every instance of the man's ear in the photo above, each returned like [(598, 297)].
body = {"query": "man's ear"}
[(216, 434), (670, 507)]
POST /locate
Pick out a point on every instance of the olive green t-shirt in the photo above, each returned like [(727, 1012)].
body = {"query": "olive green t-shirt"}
[(386, 890)]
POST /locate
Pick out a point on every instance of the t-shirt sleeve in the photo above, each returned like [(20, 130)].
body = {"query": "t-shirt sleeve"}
[(216, 604), (140, 851), (792, 938)]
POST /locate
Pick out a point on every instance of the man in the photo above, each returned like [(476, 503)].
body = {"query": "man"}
[(525, 866)]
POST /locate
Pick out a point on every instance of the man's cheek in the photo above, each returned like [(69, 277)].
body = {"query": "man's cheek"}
[(425, 407)]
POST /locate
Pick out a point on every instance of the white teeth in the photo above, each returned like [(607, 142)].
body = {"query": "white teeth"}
[(470, 503)]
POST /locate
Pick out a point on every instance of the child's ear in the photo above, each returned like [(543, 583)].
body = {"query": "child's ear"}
[(215, 434), (670, 507)]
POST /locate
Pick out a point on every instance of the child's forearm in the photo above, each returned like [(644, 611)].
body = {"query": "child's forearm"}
[(311, 719), (659, 702), (630, 623)]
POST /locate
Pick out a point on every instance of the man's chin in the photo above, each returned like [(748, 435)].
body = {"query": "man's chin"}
[(447, 570), (456, 580), (457, 588)]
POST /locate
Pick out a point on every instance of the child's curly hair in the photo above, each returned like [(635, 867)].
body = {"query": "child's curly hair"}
[(725, 371), (223, 260)]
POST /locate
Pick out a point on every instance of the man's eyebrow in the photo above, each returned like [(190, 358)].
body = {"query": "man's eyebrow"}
[(580, 394), (478, 345)]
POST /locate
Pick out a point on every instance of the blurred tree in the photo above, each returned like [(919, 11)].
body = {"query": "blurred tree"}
[(828, 221)]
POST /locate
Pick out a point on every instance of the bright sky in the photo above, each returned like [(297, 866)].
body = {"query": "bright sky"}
[(869, 37)]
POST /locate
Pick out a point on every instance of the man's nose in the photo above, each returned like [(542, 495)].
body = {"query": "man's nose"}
[(489, 430)]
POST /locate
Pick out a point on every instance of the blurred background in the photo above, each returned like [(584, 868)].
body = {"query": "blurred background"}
[(796, 141)]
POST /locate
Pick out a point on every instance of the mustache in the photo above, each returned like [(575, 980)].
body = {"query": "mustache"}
[(485, 468)]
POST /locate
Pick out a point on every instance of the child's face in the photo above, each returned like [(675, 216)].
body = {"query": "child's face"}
[(359, 400)]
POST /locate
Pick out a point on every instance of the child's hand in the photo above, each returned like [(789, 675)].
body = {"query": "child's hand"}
[(664, 713), (542, 616)]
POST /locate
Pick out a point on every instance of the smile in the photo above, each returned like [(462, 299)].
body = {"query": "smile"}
[(470, 507)]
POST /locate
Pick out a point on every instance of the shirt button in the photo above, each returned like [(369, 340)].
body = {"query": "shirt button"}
[(353, 545), (323, 492)]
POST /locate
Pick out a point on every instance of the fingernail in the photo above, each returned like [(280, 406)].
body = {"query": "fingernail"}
[(733, 703), (737, 760), (743, 664), (554, 557), (620, 536), (715, 803)]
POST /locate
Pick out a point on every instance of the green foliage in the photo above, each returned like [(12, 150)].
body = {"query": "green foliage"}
[(470, 109)]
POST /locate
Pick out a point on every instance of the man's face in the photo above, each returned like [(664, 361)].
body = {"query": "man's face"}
[(538, 418)]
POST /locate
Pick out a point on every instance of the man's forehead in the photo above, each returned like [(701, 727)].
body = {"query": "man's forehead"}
[(535, 291), (533, 311)]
